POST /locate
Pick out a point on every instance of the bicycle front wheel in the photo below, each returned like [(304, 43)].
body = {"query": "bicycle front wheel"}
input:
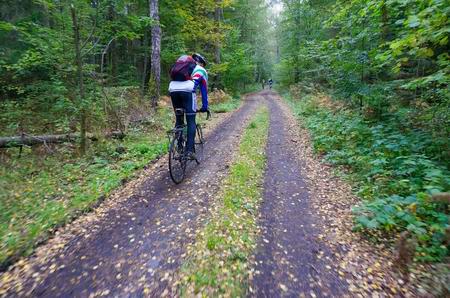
[(199, 142), (177, 160)]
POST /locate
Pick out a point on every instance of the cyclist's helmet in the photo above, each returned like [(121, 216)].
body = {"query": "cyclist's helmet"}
[(199, 58)]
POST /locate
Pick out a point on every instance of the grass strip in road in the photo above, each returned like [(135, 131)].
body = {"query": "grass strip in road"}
[(218, 261)]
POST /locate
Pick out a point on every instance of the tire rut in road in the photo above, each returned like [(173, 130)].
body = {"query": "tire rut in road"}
[(137, 246), (290, 258)]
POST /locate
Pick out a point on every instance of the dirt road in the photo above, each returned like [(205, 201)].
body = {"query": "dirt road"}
[(133, 248), (134, 243)]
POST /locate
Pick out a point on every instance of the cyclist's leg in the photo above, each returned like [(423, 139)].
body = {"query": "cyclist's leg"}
[(191, 108), (190, 119), (177, 102)]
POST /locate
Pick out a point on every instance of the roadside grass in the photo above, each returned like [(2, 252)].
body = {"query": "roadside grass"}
[(225, 107), (217, 264), (41, 191), (222, 102), (390, 169)]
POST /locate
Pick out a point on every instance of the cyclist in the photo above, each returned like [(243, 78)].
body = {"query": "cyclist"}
[(270, 81), (183, 94)]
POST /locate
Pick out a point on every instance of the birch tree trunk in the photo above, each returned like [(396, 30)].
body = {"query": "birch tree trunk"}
[(155, 69), (79, 63)]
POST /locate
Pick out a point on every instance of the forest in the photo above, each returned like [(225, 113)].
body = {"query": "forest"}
[(382, 69), (95, 69), (61, 56), (84, 103)]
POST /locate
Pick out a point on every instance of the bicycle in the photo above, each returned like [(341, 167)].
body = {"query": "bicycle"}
[(177, 144)]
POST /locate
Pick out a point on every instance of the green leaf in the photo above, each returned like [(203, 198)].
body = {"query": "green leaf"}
[(5, 26), (413, 21)]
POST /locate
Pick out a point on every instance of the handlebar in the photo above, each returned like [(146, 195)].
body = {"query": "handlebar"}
[(208, 113)]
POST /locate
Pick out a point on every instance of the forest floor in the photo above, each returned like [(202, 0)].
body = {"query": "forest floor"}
[(135, 243)]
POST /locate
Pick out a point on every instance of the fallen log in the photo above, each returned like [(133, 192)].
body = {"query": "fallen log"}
[(30, 140)]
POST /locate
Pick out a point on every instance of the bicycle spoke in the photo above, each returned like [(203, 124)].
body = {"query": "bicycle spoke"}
[(177, 160), (199, 142)]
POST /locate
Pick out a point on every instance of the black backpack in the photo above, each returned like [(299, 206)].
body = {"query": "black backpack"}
[(182, 69)]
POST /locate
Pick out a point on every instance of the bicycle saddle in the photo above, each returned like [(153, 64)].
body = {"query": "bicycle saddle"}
[(179, 111)]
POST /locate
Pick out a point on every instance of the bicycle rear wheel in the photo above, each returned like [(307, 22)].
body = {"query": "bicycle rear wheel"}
[(177, 160)]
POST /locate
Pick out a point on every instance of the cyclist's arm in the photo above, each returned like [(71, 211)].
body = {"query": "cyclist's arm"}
[(200, 81), (204, 92)]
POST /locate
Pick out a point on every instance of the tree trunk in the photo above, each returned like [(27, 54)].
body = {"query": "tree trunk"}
[(17, 141), (144, 77), (79, 63), (217, 15), (46, 16), (297, 46), (113, 47), (384, 21), (155, 69), (113, 61)]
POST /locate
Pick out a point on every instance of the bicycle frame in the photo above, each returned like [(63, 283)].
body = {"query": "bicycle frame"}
[(178, 135)]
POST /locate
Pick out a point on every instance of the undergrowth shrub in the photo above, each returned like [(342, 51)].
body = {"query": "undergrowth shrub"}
[(394, 175)]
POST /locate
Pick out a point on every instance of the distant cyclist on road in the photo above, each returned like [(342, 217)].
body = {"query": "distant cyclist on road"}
[(188, 74), (270, 81)]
